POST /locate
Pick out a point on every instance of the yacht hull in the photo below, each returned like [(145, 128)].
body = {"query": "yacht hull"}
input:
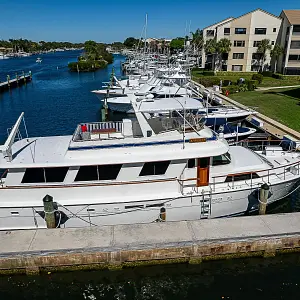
[(93, 210)]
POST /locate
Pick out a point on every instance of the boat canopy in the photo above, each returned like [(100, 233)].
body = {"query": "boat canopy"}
[(169, 104)]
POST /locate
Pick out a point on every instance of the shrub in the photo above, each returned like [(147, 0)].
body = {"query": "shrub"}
[(267, 73), (226, 82), (208, 73), (208, 82), (277, 76), (258, 77), (252, 84), (231, 89), (243, 87), (87, 66), (229, 73)]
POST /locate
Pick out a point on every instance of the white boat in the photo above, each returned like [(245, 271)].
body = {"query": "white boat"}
[(169, 169), (38, 60), (3, 56)]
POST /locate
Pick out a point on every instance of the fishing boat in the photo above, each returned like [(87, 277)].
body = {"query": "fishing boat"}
[(164, 168)]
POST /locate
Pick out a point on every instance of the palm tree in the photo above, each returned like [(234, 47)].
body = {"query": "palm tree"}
[(197, 40), (275, 53), (211, 48), (263, 47), (217, 49), (223, 46)]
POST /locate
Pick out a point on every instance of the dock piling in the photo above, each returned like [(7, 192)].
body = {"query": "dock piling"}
[(8, 80), (49, 211), (263, 198)]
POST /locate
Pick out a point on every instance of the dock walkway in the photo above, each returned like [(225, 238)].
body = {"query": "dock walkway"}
[(31, 251), (15, 82)]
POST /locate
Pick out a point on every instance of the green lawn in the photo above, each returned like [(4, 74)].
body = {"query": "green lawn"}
[(267, 81), (281, 105)]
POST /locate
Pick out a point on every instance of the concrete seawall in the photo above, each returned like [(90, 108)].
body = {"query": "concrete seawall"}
[(32, 251)]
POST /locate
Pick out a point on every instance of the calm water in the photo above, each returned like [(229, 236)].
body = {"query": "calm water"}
[(56, 100), (258, 278)]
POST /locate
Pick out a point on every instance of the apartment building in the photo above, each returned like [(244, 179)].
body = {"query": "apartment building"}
[(289, 63), (245, 34)]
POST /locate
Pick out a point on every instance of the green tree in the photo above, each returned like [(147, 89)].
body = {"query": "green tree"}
[(262, 48), (275, 53), (177, 44), (130, 42), (217, 49), (197, 39)]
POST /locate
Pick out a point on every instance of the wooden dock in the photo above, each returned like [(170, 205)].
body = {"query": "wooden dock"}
[(17, 81)]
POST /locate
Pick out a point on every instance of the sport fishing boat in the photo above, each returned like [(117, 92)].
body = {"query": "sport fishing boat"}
[(167, 168)]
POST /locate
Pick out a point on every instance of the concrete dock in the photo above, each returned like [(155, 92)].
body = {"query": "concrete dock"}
[(114, 247)]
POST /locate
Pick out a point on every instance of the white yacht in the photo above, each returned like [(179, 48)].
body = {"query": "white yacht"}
[(3, 56), (167, 169)]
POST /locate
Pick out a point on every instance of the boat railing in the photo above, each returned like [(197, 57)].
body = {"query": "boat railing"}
[(98, 131), (254, 178), (259, 144), (3, 174)]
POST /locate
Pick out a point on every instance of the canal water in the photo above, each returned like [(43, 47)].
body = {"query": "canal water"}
[(54, 103), (56, 100), (240, 279)]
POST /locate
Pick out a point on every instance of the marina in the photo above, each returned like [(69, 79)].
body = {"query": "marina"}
[(179, 162)]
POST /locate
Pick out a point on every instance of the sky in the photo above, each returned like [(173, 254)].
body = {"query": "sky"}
[(114, 20)]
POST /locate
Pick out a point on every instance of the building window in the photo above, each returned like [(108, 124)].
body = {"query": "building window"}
[(210, 32), (255, 68), (296, 29), (237, 68), (155, 168), (294, 57), (239, 43), (260, 31), (94, 173), (295, 45), (238, 56), (42, 175), (240, 30), (226, 31), (273, 43), (257, 55), (288, 30), (256, 43), (274, 29), (191, 163)]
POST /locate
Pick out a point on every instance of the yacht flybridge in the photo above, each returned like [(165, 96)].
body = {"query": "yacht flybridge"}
[(156, 168)]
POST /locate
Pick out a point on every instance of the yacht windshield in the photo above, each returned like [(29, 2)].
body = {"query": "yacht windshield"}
[(223, 159)]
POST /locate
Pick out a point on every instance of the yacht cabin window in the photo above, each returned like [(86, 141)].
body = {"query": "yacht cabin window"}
[(241, 177), (155, 168), (220, 160), (94, 173), (191, 163), (41, 175)]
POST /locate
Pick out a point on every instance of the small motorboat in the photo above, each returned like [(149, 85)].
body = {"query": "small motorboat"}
[(38, 60)]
